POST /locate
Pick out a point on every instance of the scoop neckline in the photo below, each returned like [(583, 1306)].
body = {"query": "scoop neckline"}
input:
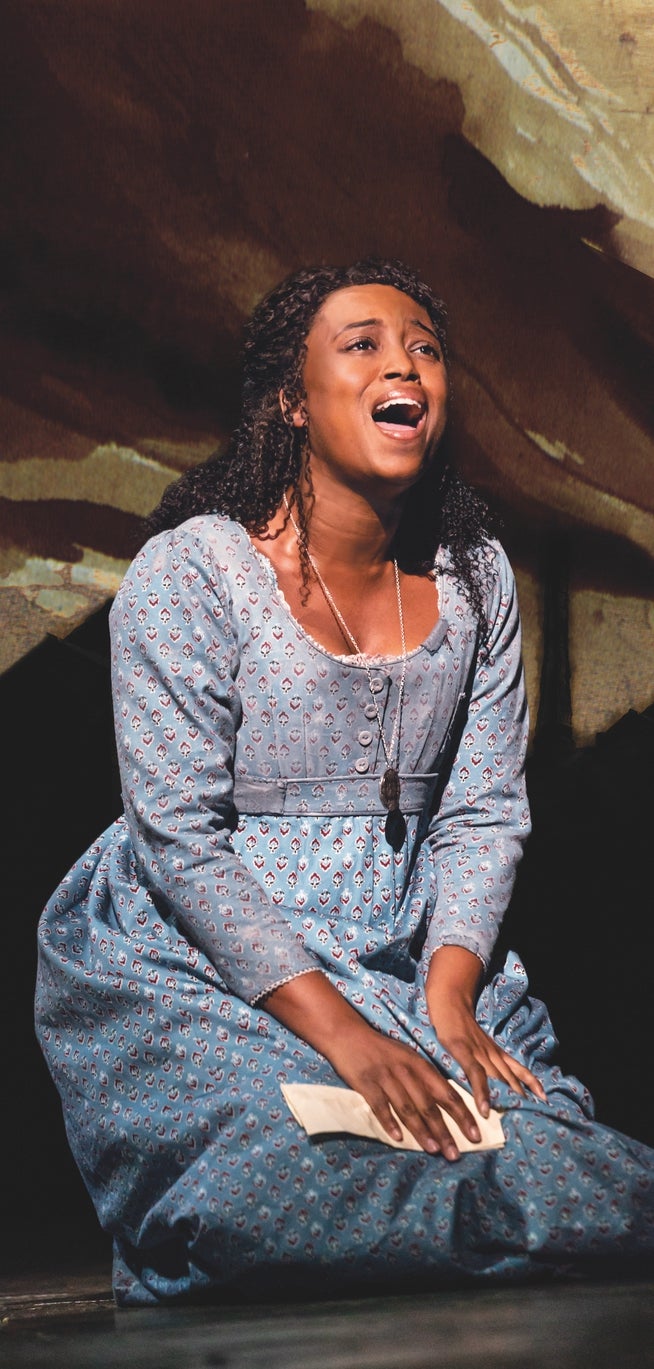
[(355, 662)]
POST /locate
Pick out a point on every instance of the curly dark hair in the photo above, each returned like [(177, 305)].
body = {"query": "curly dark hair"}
[(264, 458)]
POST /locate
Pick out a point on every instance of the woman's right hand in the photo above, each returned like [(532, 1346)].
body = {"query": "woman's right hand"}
[(391, 1076), (394, 1078)]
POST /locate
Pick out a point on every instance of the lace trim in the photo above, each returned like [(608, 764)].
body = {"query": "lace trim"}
[(425, 962), (279, 983)]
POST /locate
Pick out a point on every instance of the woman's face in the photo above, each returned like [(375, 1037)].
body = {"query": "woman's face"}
[(376, 390)]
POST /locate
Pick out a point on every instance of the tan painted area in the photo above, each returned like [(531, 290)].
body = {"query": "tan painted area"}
[(612, 658), (611, 653), (101, 574), (558, 96), (109, 474), (43, 595)]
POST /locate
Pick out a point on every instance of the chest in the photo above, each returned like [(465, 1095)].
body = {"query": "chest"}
[(306, 713), (385, 618)]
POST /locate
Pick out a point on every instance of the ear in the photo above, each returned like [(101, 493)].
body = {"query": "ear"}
[(294, 416)]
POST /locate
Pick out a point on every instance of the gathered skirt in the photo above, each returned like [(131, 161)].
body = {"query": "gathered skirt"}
[(171, 1091)]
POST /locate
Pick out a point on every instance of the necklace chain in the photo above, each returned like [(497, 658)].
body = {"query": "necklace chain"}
[(390, 780)]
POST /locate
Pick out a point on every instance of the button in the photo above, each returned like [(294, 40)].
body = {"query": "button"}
[(376, 685), (370, 711), (361, 765), (365, 738)]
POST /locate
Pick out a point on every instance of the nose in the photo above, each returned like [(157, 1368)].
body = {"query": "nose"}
[(398, 363)]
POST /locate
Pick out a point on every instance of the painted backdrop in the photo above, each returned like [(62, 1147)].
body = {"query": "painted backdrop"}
[(165, 164)]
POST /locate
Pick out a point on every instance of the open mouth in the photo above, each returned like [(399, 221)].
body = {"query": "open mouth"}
[(399, 415)]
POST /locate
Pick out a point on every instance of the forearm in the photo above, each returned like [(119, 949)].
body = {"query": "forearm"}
[(314, 1010), (453, 976), (221, 907)]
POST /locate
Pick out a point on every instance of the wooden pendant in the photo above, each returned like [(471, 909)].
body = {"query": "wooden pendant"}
[(389, 789)]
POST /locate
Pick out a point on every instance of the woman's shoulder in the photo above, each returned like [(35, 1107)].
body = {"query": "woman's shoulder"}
[(496, 608), (208, 548), (491, 563), (494, 557), (211, 538), (214, 532)]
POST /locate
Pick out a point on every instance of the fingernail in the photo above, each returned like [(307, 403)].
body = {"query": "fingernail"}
[(484, 1109), (475, 1134), (451, 1152), (432, 1146)]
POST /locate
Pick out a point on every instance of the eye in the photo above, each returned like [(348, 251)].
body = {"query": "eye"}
[(428, 349), (361, 344)]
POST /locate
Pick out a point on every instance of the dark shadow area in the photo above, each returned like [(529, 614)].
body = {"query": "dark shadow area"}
[(583, 896), (582, 908), (62, 791)]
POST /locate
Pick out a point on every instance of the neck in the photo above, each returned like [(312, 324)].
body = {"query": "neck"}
[(359, 543), (347, 529)]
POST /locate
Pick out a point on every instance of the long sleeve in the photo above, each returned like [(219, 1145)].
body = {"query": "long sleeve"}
[(177, 710), (475, 840)]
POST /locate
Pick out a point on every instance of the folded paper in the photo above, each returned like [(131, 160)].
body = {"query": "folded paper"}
[(324, 1108)]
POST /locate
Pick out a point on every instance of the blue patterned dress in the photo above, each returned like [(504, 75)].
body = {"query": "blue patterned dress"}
[(253, 849)]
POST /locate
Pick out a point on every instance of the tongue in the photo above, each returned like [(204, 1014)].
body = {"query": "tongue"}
[(397, 430)]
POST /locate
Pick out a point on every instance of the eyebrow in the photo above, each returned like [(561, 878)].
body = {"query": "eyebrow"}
[(363, 323), (377, 322)]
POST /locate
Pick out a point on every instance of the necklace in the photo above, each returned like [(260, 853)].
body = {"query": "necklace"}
[(389, 785)]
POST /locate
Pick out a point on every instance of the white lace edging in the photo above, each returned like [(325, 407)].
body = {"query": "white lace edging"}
[(280, 983), (464, 947)]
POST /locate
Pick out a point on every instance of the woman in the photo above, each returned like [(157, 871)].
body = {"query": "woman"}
[(321, 727)]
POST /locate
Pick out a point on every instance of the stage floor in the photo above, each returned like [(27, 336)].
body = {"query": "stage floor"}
[(70, 1322)]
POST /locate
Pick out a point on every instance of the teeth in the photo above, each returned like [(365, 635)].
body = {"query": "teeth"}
[(393, 403)]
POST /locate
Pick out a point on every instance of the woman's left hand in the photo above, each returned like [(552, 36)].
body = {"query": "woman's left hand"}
[(451, 985), (478, 1055)]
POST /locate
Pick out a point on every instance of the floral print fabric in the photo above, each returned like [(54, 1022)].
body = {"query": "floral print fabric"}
[(253, 848)]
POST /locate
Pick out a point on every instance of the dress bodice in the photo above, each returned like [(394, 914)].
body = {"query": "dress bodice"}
[(250, 750)]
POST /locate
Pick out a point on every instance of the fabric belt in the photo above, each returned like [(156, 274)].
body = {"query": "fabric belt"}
[(335, 794)]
